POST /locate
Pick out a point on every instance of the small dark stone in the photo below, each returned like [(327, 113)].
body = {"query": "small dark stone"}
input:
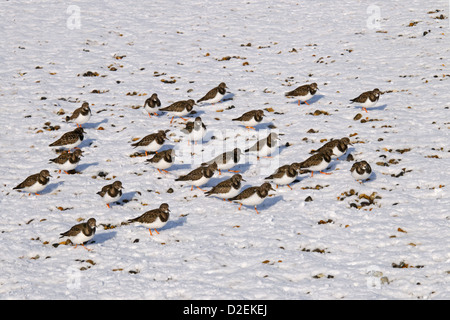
[(350, 157), (102, 174), (357, 117), (308, 199), (136, 241), (170, 190)]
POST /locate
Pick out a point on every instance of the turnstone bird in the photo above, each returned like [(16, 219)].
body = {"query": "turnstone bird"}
[(35, 183), (367, 99), (251, 118), (195, 130), (361, 170), (265, 147), (253, 196), (81, 233), (180, 108), (199, 176), (152, 142), (163, 160), (111, 192), (214, 95), (151, 104), (318, 161), (81, 115), (285, 175), (156, 218), (67, 161), (227, 189), (339, 147), (69, 140), (226, 160), (304, 92)]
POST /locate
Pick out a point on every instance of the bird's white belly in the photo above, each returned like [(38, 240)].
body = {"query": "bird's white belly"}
[(305, 98), (230, 194), (226, 165), (108, 199), (81, 238), (266, 150), (368, 103), (197, 135), (337, 153), (82, 118), (217, 98), (157, 224), (153, 146), (253, 200), (363, 176), (179, 113), (250, 123), (67, 166), (162, 164), (197, 183), (284, 180), (321, 166), (35, 188), (71, 146)]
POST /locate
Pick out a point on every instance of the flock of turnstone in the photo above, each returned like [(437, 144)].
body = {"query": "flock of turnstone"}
[(229, 189)]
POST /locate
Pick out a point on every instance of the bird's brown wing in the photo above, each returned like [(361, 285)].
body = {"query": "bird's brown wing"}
[(66, 138), (211, 94)]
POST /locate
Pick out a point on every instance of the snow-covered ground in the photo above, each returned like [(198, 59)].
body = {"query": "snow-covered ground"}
[(396, 247)]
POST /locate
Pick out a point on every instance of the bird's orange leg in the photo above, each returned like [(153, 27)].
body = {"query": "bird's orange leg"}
[(86, 248), (250, 128), (108, 205), (256, 210), (236, 171), (150, 232), (172, 120), (240, 207), (200, 189), (328, 173), (289, 186), (307, 103), (365, 110)]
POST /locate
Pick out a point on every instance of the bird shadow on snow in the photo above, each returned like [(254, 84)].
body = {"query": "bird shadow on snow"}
[(128, 196), (86, 143), (382, 107), (95, 124), (175, 223), (179, 166), (104, 236), (314, 99), (269, 202), (84, 166), (51, 187)]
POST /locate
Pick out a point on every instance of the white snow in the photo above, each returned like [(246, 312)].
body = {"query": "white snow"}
[(292, 249)]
